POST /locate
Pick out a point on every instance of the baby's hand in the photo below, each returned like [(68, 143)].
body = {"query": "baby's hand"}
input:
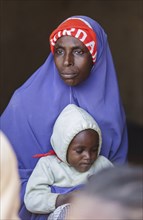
[(66, 198)]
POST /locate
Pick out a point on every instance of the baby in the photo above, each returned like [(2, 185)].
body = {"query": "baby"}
[(76, 140)]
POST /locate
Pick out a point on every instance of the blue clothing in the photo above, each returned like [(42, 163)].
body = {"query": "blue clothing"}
[(64, 190), (30, 115)]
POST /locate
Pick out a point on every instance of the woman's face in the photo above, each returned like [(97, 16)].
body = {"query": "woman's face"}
[(83, 150), (73, 60)]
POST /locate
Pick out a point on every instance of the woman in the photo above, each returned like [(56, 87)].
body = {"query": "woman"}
[(79, 71)]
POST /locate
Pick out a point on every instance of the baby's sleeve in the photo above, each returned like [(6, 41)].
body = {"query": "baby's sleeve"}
[(38, 197)]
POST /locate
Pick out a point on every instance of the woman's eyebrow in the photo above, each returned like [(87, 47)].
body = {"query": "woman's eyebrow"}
[(73, 47), (77, 47), (58, 45)]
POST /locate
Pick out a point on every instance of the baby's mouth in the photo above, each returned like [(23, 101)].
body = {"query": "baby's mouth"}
[(85, 165)]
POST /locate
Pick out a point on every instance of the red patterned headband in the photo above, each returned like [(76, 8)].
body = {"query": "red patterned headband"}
[(78, 28)]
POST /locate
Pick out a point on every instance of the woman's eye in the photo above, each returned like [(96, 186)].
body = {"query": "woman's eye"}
[(78, 51), (59, 51)]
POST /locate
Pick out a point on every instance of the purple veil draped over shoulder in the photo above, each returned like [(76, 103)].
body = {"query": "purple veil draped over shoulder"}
[(30, 115)]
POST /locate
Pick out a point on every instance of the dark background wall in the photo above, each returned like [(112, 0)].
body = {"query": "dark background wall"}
[(25, 29)]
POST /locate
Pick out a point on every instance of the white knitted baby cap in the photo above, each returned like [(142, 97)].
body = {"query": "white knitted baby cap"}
[(69, 123)]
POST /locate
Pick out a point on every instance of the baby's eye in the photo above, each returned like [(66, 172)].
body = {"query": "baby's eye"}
[(79, 151), (95, 149)]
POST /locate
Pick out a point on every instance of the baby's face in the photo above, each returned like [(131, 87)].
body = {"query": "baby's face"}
[(83, 150)]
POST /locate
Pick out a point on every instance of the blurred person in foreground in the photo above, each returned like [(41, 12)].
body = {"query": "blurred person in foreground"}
[(9, 181), (113, 193)]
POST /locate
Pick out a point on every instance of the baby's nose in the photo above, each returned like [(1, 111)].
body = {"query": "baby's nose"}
[(87, 155)]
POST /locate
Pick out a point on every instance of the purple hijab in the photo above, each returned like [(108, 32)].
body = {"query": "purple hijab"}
[(30, 115)]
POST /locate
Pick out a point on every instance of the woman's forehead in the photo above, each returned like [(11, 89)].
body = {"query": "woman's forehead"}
[(69, 40)]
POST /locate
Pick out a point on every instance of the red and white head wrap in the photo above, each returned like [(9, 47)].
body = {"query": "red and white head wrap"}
[(78, 28)]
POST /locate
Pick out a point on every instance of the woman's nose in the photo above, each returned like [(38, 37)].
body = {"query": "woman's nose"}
[(68, 60)]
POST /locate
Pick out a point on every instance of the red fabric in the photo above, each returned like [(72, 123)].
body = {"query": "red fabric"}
[(78, 29), (51, 152)]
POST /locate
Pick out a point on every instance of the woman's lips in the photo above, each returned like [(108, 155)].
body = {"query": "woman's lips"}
[(68, 75)]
